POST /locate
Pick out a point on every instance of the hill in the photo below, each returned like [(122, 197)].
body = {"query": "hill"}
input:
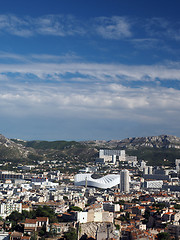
[(12, 150), (157, 150), (72, 151), (162, 141)]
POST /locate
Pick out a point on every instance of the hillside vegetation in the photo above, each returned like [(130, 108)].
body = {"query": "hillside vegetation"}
[(58, 145), (157, 150)]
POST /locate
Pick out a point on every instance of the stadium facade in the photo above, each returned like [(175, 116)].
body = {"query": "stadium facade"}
[(108, 181)]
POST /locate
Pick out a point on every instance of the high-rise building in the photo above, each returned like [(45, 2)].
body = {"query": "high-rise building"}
[(177, 162), (108, 154), (124, 180), (145, 170), (150, 170)]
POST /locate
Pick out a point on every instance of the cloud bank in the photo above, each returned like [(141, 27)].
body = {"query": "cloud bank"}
[(90, 91), (74, 86), (112, 28)]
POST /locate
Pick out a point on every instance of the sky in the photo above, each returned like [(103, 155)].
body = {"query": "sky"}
[(85, 70)]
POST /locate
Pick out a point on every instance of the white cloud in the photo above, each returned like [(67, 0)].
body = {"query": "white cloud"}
[(108, 101), (161, 27), (93, 90), (113, 28), (148, 43), (14, 25), (56, 25), (93, 72), (31, 58)]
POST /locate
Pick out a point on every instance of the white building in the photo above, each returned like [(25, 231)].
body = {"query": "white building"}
[(110, 155), (104, 182), (153, 184), (124, 181), (7, 208), (10, 175), (143, 165), (177, 162), (4, 236), (108, 152), (95, 216), (27, 167), (150, 170), (132, 160), (145, 170)]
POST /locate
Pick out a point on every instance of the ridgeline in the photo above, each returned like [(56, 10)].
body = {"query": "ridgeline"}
[(157, 150)]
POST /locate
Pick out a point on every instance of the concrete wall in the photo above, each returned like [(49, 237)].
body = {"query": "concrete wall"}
[(82, 217)]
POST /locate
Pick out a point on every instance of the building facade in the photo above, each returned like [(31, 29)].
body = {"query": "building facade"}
[(124, 181)]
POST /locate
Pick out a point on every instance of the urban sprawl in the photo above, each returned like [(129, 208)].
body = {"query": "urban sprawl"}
[(116, 197)]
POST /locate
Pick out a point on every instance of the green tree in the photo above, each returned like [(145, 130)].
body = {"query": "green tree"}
[(26, 214), (42, 232), (117, 226), (34, 236), (75, 208), (15, 216), (163, 236), (65, 198), (71, 234), (177, 206), (121, 202), (46, 211)]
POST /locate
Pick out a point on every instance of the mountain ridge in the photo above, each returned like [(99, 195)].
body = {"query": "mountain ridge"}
[(161, 141), (151, 148), (9, 149)]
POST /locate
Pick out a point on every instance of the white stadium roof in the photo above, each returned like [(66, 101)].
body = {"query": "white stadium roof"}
[(105, 182)]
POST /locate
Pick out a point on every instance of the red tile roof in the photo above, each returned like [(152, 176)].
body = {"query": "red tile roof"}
[(28, 220)]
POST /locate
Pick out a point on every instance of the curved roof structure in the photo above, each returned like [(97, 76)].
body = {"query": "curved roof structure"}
[(105, 182)]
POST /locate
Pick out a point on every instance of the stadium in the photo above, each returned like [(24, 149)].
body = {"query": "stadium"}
[(108, 181)]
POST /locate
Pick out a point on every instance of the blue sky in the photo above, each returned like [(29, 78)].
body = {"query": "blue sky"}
[(80, 70)]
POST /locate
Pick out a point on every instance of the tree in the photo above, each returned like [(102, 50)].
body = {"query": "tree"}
[(159, 205), (42, 232), (84, 237), (65, 198), (34, 236), (71, 234), (177, 206), (46, 211), (147, 214), (117, 226), (15, 216), (163, 236), (121, 202), (135, 200), (127, 215), (75, 208)]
